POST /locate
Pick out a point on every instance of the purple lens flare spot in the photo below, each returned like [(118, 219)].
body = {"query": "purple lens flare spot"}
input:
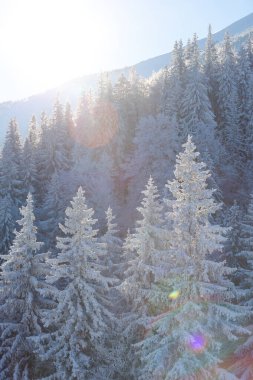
[(197, 342)]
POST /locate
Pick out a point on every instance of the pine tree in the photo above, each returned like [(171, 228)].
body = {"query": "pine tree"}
[(11, 178), (52, 212), (79, 320), (174, 78), (245, 98), (196, 116), (20, 301), (83, 122), (141, 250), (112, 241), (144, 242), (156, 144), (233, 219), (8, 216), (12, 185), (104, 87), (242, 363), (43, 159), (244, 254), (61, 155), (29, 157), (228, 110), (211, 67), (196, 315)]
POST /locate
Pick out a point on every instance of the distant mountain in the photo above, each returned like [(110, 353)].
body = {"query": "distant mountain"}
[(70, 91)]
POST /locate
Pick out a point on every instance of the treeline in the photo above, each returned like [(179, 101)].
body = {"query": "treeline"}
[(157, 307), (166, 301)]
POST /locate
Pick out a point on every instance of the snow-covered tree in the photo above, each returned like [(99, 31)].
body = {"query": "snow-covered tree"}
[(8, 217), (242, 364), (52, 212), (83, 125), (211, 67), (244, 256), (29, 158), (173, 84), (12, 186), (196, 115), (61, 155), (44, 170), (112, 241), (144, 242), (194, 316), (79, 321), (104, 87), (228, 111), (156, 144), (11, 174), (20, 301), (141, 249), (245, 106), (232, 220)]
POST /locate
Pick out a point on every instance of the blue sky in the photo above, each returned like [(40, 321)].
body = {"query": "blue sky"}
[(44, 43)]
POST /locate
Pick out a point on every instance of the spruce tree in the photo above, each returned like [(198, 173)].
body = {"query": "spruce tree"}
[(112, 241), (79, 321), (174, 80), (194, 317), (211, 67), (144, 242), (12, 185), (143, 246), (228, 108), (244, 256), (196, 116), (20, 301), (30, 156)]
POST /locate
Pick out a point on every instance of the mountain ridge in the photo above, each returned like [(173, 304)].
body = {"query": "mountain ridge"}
[(70, 91)]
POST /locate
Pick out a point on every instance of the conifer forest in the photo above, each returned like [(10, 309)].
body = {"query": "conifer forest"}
[(126, 227)]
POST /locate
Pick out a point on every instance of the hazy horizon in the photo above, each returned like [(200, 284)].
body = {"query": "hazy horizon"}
[(46, 44)]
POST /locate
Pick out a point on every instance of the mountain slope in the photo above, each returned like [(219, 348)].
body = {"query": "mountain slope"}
[(70, 91)]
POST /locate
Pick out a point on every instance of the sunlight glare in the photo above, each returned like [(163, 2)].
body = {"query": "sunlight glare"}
[(56, 41)]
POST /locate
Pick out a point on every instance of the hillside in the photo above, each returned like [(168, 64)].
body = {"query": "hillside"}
[(70, 91)]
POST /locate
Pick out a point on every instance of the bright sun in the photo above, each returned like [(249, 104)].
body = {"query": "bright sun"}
[(54, 40)]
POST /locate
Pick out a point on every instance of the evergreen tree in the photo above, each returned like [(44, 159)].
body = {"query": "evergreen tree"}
[(233, 219), (43, 159), (196, 116), (52, 212), (242, 363), (156, 144), (174, 78), (83, 122), (245, 98), (197, 316), (11, 180), (61, 154), (211, 67), (20, 301), (79, 320), (12, 185), (104, 87), (8, 215), (228, 112), (29, 157), (112, 241), (144, 242), (143, 247), (244, 257)]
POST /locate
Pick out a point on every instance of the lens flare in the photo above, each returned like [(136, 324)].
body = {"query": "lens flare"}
[(174, 295), (100, 128), (197, 343)]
